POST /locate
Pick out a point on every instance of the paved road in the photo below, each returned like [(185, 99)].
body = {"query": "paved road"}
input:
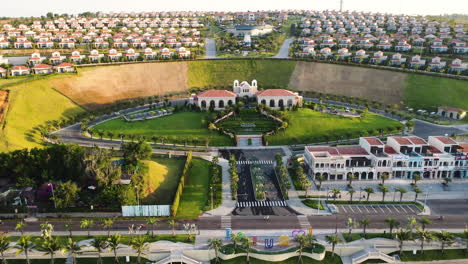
[(424, 129), (453, 207), (284, 50), (210, 46)]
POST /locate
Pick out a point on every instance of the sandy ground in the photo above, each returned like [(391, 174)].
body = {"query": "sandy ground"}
[(3, 104), (98, 86), (378, 85)]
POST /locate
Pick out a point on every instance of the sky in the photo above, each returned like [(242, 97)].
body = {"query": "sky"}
[(19, 8)]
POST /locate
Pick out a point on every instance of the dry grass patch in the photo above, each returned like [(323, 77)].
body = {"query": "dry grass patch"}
[(99, 86)]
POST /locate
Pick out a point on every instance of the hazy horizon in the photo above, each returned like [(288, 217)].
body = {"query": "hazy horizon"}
[(27, 8)]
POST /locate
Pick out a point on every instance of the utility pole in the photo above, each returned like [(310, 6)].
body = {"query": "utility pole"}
[(341, 5)]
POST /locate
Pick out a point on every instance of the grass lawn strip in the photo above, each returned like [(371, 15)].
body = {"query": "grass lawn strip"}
[(294, 260), (178, 126), (307, 126), (313, 204), (196, 191), (163, 178), (431, 255)]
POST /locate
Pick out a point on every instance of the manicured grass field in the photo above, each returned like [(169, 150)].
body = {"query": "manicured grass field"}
[(163, 179), (182, 125), (313, 204), (429, 92), (31, 105), (268, 73), (306, 126), (196, 191), (248, 116)]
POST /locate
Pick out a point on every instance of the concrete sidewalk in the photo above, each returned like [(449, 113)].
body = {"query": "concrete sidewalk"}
[(228, 204)]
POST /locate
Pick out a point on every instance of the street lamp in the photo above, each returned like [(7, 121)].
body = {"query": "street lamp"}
[(211, 188), (53, 194), (138, 196), (319, 194)]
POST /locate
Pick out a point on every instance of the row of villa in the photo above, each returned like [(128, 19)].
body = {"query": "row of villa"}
[(37, 69), (399, 157), (379, 58)]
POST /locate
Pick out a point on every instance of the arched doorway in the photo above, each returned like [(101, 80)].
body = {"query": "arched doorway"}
[(203, 104), (221, 104), (370, 176), (272, 103), (280, 103), (426, 175), (230, 102), (363, 176), (263, 102), (212, 104)]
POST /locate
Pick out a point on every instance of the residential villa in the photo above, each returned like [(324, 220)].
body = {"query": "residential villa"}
[(252, 30), (360, 55), (65, 67), (343, 53), (417, 62), (378, 58), (42, 69), (19, 70), (436, 63), (35, 59), (451, 112), (56, 58), (94, 56), (458, 65), (397, 59), (76, 57), (3, 72)]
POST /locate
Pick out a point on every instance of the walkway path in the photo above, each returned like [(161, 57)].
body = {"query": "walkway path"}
[(210, 47), (228, 204), (283, 52)]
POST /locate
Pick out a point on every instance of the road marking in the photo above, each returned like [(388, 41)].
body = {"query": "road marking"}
[(411, 208), (381, 209), (367, 209), (389, 210), (225, 221), (359, 209), (373, 208), (303, 222)]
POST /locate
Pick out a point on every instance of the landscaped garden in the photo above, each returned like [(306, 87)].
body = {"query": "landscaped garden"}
[(306, 126), (189, 127), (248, 121)]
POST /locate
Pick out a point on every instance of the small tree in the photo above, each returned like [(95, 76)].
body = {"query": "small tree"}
[(152, 222), (351, 177), (172, 223), (416, 177), (87, 224), (73, 248), (99, 243), (107, 224), (320, 178), (20, 227), (401, 236), (216, 244), (364, 224), (447, 180), (402, 191), (417, 190), (4, 246), (424, 221), (392, 223), (247, 244), (114, 244), (424, 236), (412, 222), (335, 192), (51, 245), (24, 245), (139, 244), (369, 191), (445, 239), (333, 240), (350, 223), (351, 192), (302, 242), (69, 227), (384, 176), (384, 190)]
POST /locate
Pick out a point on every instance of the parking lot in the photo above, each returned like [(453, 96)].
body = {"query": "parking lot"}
[(384, 209)]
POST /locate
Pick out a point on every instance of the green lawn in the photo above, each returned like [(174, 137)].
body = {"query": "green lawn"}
[(431, 255), (261, 124), (306, 126), (429, 92), (294, 260), (163, 179), (268, 73), (178, 126), (313, 204), (357, 236), (106, 260), (31, 105), (196, 191)]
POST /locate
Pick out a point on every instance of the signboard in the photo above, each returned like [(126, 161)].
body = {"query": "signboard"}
[(146, 210), (400, 158)]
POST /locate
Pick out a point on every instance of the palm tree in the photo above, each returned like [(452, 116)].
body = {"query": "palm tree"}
[(247, 244), (235, 238), (364, 223), (24, 245), (424, 236), (87, 224), (351, 192), (417, 191), (335, 192), (333, 240), (20, 227), (416, 177), (110, 134), (320, 178), (4, 246), (69, 227), (424, 221), (172, 223), (401, 236), (216, 244), (51, 245), (369, 191), (384, 189), (402, 191), (107, 224), (412, 222), (392, 223), (445, 238), (351, 177), (73, 248), (139, 244), (152, 222), (113, 242), (303, 243), (99, 243), (384, 176)]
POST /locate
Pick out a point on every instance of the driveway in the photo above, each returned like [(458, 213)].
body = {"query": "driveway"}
[(424, 129), (210, 46), (283, 52)]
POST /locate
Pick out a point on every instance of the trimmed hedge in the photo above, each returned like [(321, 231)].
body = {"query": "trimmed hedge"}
[(180, 188)]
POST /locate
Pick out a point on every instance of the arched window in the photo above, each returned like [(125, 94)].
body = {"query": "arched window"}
[(221, 104), (212, 103), (280, 103), (230, 102), (272, 103), (203, 104), (263, 102), (290, 102)]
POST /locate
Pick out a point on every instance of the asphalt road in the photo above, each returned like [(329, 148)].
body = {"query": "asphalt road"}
[(210, 46), (283, 52), (424, 129), (449, 207)]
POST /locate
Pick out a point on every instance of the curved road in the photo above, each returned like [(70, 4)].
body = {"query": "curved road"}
[(283, 52)]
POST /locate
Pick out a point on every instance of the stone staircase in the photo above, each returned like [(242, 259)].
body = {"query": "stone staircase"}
[(178, 257), (371, 253)]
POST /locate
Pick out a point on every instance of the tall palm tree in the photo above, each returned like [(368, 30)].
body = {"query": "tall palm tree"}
[(333, 240), (152, 222), (114, 242), (303, 243), (172, 223), (247, 244), (20, 227), (4, 246), (87, 224), (392, 223), (351, 192), (351, 177), (139, 244), (73, 248), (401, 235), (320, 178), (335, 192), (412, 222), (424, 221), (384, 189), (384, 176), (216, 244), (465, 235), (364, 223), (107, 224), (235, 238), (99, 243), (24, 245), (402, 191), (424, 236), (51, 245), (417, 190), (416, 177), (369, 191), (445, 238)]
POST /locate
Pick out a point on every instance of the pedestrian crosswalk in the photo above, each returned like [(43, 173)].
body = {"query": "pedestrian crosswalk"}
[(303, 221), (248, 162), (225, 221), (261, 204)]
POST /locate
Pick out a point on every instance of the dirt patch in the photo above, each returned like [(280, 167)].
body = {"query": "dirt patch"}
[(378, 85), (3, 104), (100, 86)]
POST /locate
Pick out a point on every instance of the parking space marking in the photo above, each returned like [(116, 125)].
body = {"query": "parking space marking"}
[(375, 210), (359, 209), (381, 209), (351, 208), (367, 210), (344, 208), (403, 208), (411, 209), (389, 210)]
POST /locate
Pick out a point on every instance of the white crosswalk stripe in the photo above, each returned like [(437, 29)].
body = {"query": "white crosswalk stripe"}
[(261, 204), (303, 221), (225, 221)]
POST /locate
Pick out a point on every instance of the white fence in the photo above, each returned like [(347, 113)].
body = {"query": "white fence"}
[(146, 210)]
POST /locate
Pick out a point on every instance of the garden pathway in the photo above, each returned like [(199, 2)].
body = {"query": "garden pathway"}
[(228, 204)]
